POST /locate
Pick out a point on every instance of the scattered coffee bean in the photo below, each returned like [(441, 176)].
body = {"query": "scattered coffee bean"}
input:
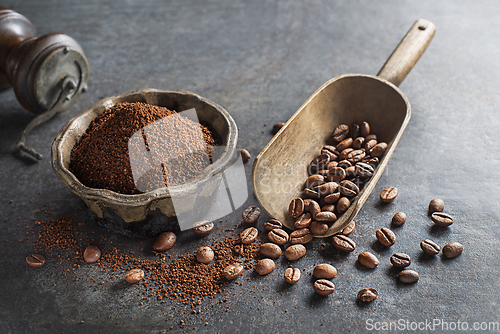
[(378, 150), (369, 144), (314, 209), (348, 188), (364, 170), (343, 243), (336, 174), (355, 156), (358, 143), (277, 127), (453, 249), (442, 219), (292, 275), (270, 250), (303, 221), (245, 155), (408, 276), (367, 294), (318, 228), (436, 205), (371, 137), (430, 247), (326, 188), (301, 236), (386, 237), (251, 214), (325, 270), (309, 193), (331, 152), (91, 254), (295, 252), (134, 275), (340, 132), (350, 172), (346, 143), (203, 228), (328, 207), (400, 260), (324, 287), (232, 271), (343, 204), (325, 216), (205, 255), (389, 194), (306, 204), (368, 260), (343, 157), (164, 241), (278, 236), (355, 131), (296, 207), (264, 266), (365, 129), (332, 199), (249, 235), (314, 180), (349, 228), (319, 163), (398, 219), (35, 260), (272, 224)]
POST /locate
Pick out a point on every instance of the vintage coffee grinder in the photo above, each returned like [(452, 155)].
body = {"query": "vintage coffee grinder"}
[(48, 73)]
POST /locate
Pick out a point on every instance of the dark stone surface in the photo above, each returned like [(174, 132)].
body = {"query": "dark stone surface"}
[(261, 60)]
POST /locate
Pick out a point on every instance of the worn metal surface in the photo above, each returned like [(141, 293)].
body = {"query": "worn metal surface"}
[(261, 61)]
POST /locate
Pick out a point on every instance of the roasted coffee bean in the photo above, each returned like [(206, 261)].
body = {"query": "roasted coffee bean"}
[(91, 254), (332, 164), (355, 156), (348, 188), (325, 270), (295, 252), (430, 247), (296, 207), (303, 221), (408, 276), (323, 172), (378, 150), (340, 132), (312, 194), (369, 144), (349, 228), (453, 249), (245, 155), (292, 275), (232, 271), (249, 235), (355, 131), (436, 205), (386, 237), (35, 260), (442, 219), (203, 228), (332, 198), (358, 143), (343, 204), (327, 188), (336, 174), (264, 266), (346, 143), (343, 155), (365, 129), (371, 137), (301, 236), (364, 170), (271, 224), (367, 295), (350, 172), (330, 151), (343, 243), (371, 161), (400, 260), (251, 214), (278, 236), (328, 207), (205, 255), (134, 275), (325, 216), (164, 242), (368, 260), (324, 287), (306, 204), (314, 208), (314, 180), (270, 250), (389, 194), (277, 127), (318, 228), (398, 219), (318, 163), (344, 164)]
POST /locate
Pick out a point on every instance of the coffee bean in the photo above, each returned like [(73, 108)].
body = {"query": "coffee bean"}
[(348, 188), (264, 266), (365, 129), (343, 155), (325, 270), (91, 254), (301, 236), (35, 260), (270, 250), (296, 207), (303, 221), (398, 219), (368, 260), (205, 255), (389, 194), (367, 295), (408, 276), (292, 275), (326, 188), (232, 271), (364, 170), (164, 242), (245, 155), (371, 161), (277, 127), (355, 156), (453, 249), (318, 228), (251, 214), (328, 207), (306, 204), (350, 172), (340, 132), (314, 180), (272, 224), (378, 150), (323, 172), (400, 260), (343, 204), (249, 235), (349, 228), (134, 275), (278, 236), (319, 163), (331, 152), (386, 237), (295, 252), (358, 143), (324, 287), (343, 243), (346, 143), (336, 174), (344, 164), (371, 137), (314, 208), (430, 247), (312, 194), (325, 216), (436, 205), (332, 164), (203, 228), (370, 144), (333, 198), (442, 219)]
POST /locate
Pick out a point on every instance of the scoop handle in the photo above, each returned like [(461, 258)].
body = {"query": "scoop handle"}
[(408, 52)]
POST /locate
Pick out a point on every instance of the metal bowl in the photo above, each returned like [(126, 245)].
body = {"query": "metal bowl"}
[(153, 212)]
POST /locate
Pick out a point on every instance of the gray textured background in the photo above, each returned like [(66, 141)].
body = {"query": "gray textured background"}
[(261, 60)]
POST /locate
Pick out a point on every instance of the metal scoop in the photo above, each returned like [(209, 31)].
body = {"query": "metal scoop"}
[(280, 170)]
